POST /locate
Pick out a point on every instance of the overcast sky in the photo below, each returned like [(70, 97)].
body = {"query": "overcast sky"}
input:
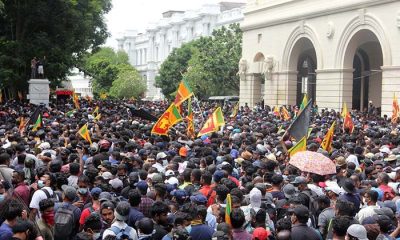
[(137, 14)]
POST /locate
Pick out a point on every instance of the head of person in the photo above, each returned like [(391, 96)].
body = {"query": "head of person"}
[(93, 225), (356, 232), (13, 210), (159, 212), (46, 208), (69, 193), (323, 202), (134, 197), (340, 224), (370, 197), (46, 180), (145, 226), (237, 218), (299, 214), (344, 208), (17, 177), (21, 230), (122, 211), (107, 212), (383, 178)]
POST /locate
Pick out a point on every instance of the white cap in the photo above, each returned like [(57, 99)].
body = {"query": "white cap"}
[(169, 173), (107, 175), (116, 183), (172, 181), (161, 155)]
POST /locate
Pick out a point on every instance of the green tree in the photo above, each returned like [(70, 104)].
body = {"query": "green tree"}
[(129, 83), (214, 65), (104, 66), (61, 30), (173, 68)]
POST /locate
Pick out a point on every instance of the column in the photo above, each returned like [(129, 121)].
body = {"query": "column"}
[(334, 87), (250, 89), (390, 86), (281, 89)]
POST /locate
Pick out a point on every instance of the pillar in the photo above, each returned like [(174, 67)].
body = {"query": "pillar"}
[(250, 89), (390, 86)]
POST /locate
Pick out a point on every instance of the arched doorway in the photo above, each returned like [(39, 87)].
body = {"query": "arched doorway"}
[(303, 60), (364, 56)]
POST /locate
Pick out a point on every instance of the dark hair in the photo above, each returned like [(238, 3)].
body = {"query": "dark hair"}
[(344, 208), (238, 193), (373, 195), (186, 174), (74, 168), (13, 210), (276, 179), (134, 197), (196, 173), (324, 200), (222, 191), (340, 224), (161, 189), (207, 177), (158, 208), (237, 218), (4, 157), (270, 165), (145, 225), (83, 178), (93, 221), (45, 204), (283, 224)]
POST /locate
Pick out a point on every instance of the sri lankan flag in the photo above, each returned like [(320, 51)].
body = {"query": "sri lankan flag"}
[(168, 119), (189, 118), (228, 209), (76, 101), (213, 123), (396, 109), (96, 111), (285, 114), (299, 147), (344, 110), (235, 110), (276, 111), (38, 123), (84, 132), (328, 139), (304, 102), (21, 124), (348, 123), (98, 116), (184, 92)]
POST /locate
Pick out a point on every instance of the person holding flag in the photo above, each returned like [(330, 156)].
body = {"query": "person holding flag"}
[(84, 132), (328, 139)]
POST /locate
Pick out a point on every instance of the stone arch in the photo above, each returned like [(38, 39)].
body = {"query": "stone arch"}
[(348, 45), (258, 63), (302, 31)]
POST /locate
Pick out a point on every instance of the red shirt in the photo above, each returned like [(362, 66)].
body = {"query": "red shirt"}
[(22, 191), (234, 180), (86, 213), (209, 193)]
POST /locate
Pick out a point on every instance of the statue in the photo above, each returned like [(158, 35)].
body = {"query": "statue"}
[(242, 67), (269, 65)]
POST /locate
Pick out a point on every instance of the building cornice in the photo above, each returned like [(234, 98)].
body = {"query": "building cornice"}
[(329, 7)]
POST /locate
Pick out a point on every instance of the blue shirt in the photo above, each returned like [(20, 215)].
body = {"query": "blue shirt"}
[(201, 232), (134, 216), (5, 231), (354, 198)]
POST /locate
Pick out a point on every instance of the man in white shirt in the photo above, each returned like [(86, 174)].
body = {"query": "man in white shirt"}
[(370, 199), (44, 191), (121, 216)]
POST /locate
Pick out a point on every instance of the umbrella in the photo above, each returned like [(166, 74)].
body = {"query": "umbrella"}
[(313, 162)]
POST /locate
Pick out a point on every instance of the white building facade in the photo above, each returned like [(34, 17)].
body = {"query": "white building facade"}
[(148, 50), (79, 83), (335, 51)]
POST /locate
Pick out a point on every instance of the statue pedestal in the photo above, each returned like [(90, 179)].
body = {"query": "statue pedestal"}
[(39, 91)]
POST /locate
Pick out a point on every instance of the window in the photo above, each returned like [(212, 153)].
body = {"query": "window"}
[(259, 38)]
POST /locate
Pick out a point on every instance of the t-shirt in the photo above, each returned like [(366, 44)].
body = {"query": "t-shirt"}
[(120, 225), (5, 231), (38, 196), (201, 232)]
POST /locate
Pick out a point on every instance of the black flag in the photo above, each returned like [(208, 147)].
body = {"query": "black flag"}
[(299, 127)]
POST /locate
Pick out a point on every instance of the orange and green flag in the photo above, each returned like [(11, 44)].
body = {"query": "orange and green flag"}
[(299, 147), (396, 109), (184, 92), (328, 139), (84, 132), (276, 111), (304, 102), (98, 116), (38, 123), (21, 125), (167, 120), (235, 110), (285, 114), (213, 123), (348, 123), (76, 101), (189, 118), (344, 110), (228, 209)]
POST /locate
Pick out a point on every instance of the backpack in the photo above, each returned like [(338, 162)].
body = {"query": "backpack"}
[(312, 206), (122, 233), (55, 196), (64, 223)]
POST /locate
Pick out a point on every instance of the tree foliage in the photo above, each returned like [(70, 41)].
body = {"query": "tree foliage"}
[(209, 64), (129, 83), (173, 68), (104, 66), (61, 30)]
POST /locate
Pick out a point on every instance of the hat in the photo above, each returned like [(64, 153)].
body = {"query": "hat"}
[(340, 161), (198, 198), (179, 194), (246, 155), (336, 189), (44, 145), (161, 155), (107, 175), (260, 234), (348, 186), (172, 181), (95, 191), (385, 211), (105, 196), (169, 173), (369, 155), (389, 204), (218, 175), (120, 211), (301, 211), (116, 183), (142, 185), (384, 149), (271, 156), (255, 198), (69, 192), (239, 160), (183, 152), (390, 158), (299, 180), (157, 178), (358, 231), (289, 191)]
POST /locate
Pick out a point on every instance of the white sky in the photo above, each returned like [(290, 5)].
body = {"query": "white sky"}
[(137, 14)]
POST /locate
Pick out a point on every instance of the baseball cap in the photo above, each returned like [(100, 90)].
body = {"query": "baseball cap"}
[(116, 183), (105, 196), (107, 175), (183, 152), (179, 194), (300, 211), (169, 173), (69, 192), (172, 181), (95, 191), (198, 198), (218, 175), (260, 234), (157, 178), (385, 211), (358, 231), (299, 180), (289, 191), (161, 155), (142, 185)]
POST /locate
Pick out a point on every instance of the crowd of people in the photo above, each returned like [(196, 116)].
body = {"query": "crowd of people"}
[(130, 184)]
